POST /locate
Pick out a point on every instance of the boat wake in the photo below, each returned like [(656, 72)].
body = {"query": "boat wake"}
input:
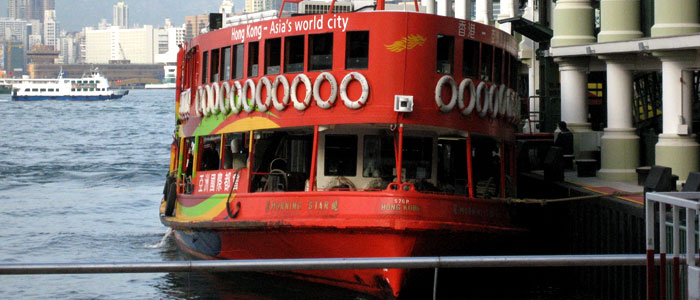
[(163, 240)]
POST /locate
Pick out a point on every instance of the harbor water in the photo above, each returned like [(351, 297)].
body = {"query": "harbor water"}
[(82, 182)]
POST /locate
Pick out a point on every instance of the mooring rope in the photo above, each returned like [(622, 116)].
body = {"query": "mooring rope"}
[(546, 201)]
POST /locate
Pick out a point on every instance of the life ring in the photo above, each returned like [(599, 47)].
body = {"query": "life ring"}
[(198, 101), (285, 99), (466, 109), (225, 93), (263, 106), (510, 112), (438, 93), (502, 101), (344, 90), (214, 99), (481, 91), (293, 91), (235, 100), (207, 101), (493, 108), (325, 104), (248, 105), (184, 108)]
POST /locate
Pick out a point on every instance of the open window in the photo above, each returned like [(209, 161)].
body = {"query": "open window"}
[(486, 62), (282, 160), (209, 158), (445, 54), (205, 63), (238, 52), (452, 163), (214, 76), (340, 155), (470, 54), (320, 51), (498, 66), (253, 59), (187, 163), (272, 56), (294, 54), (235, 154), (486, 166), (225, 73), (357, 50)]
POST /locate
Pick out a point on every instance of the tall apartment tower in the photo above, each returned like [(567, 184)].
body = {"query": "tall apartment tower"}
[(120, 15), (226, 7), (51, 29), (17, 9), (29, 9), (252, 6)]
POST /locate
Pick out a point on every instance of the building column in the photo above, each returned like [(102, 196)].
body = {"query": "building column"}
[(573, 23), (620, 143), (484, 11), (619, 20), (463, 9), (508, 10), (429, 6), (675, 17), (444, 8), (574, 93), (677, 148)]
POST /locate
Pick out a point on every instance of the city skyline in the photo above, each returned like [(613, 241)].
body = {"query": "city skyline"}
[(141, 12)]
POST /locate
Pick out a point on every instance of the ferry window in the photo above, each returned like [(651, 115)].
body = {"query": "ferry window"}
[(341, 155), (294, 54), (238, 52), (320, 51), (209, 153), (72, 89), (188, 163), (253, 59), (514, 63), (214, 73), (273, 53), (235, 153), (205, 62), (452, 163), (498, 65), (42, 90), (378, 157), (470, 54), (282, 160), (486, 166), (486, 62), (445, 53), (357, 50), (417, 157), (225, 68)]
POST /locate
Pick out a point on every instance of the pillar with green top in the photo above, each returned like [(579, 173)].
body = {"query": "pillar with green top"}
[(619, 20), (675, 17), (573, 23)]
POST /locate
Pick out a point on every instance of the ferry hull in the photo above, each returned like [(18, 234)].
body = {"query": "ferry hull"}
[(67, 98), (333, 243)]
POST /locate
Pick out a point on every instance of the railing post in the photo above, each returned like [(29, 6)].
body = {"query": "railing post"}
[(662, 251), (676, 253), (650, 247)]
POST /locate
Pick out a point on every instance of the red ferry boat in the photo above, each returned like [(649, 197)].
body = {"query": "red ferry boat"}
[(364, 134)]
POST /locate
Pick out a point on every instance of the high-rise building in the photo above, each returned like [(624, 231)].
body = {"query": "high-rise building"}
[(119, 44), (194, 25), (252, 6), (29, 9), (50, 29), (16, 9), (167, 41), (120, 15)]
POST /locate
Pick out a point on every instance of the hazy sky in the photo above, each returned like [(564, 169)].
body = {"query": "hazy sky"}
[(76, 14)]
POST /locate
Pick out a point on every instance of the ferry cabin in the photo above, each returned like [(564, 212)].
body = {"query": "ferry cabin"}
[(355, 147), (95, 87)]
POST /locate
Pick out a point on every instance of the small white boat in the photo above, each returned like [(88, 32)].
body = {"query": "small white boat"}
[(87, 88)]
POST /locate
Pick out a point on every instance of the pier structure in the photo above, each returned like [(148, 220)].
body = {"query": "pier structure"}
[(620, 49)]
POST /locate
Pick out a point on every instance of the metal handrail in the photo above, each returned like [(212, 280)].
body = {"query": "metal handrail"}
[(266, 265)]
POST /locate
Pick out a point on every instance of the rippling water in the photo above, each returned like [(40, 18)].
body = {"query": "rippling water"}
[(82, 182)]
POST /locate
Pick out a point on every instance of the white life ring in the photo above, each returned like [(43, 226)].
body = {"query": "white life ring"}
[(207, 101), (344, 90), (493, 108), (502, 100), (214, 100), (466, 109), (201, 93), (248, 105), (263, 106), (184, 101), (517, 110), (325, 104), (235, 100), (225, 93), (438, 93), (285, 99), (293, 91), (481, 92)]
